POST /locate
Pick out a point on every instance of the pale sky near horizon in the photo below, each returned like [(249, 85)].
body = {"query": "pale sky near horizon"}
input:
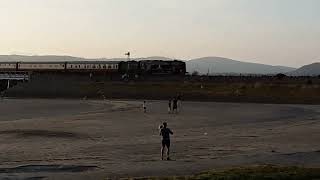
[(276, 32)]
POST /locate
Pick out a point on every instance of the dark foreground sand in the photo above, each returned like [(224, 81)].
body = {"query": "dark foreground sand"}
[(77, 139)]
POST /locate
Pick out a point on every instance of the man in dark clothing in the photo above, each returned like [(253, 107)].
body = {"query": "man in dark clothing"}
[(165, 133), (169, 106), (175, 105)]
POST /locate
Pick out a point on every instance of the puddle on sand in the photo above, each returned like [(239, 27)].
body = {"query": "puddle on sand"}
[(47, 168)]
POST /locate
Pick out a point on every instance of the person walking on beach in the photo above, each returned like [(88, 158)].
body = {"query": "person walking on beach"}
[(144, 106), (165, 132), (169, 106), (179, 101), (175, 105)]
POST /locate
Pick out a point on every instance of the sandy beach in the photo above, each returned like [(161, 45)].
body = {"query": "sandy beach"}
[(89, 139)]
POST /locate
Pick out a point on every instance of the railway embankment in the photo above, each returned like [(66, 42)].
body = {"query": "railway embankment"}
[(255, 91)]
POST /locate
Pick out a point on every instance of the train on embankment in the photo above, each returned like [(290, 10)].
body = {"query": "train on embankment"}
[(152, 67)]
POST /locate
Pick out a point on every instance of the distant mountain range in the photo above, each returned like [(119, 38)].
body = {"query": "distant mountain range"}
[(211, 65), (69, 58), (40, 58), (307, 70), (218, 65)]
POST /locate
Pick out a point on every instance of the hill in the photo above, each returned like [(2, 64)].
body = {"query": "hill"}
[(15, 58), (39, 58), (218, 65), (307, 70)]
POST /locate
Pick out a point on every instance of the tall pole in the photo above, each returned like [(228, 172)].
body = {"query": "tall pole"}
[(128, 55), (8, 86), (128, 60)]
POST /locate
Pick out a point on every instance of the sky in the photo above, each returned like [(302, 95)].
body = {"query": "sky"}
[(276, 32)]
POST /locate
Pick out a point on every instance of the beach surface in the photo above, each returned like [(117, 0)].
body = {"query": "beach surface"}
[(93, 139)]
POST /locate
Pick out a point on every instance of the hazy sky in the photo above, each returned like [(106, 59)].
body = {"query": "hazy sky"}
[(278, 32)]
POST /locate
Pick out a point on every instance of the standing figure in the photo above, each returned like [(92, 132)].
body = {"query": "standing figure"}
[(169, 106), (175, 105), (165, 133), (179, 99), (144, 106)]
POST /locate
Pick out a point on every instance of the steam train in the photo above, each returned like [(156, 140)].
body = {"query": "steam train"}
[(156, 67)]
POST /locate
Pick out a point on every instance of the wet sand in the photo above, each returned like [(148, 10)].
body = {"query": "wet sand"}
[(87, 139)]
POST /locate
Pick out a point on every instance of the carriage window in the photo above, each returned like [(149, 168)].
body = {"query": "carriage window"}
[(109, 67)]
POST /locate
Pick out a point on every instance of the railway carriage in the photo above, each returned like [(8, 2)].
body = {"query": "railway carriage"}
[(42, 66), (99, 66), (8, 66)]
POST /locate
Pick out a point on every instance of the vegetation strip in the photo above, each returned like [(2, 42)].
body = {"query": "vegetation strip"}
[(267, 172)]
